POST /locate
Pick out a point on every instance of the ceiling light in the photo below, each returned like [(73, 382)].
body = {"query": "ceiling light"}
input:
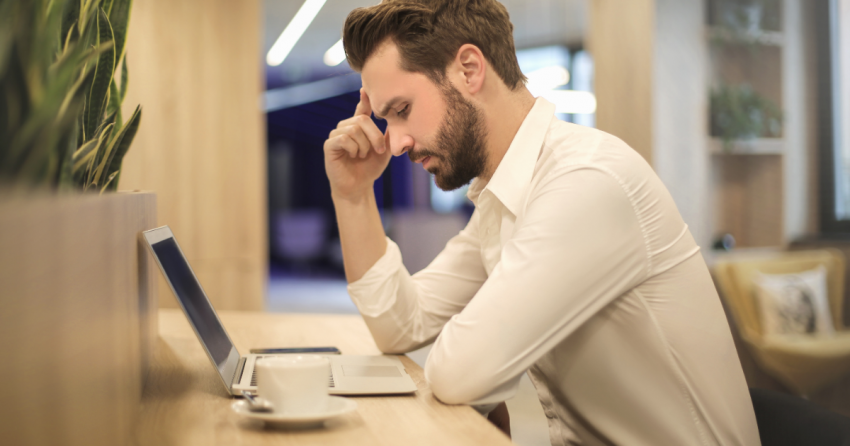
[(571, 101), (293, 31), (335, 55)]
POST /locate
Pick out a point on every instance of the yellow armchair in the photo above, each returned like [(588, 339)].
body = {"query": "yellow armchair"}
[(804, 363)]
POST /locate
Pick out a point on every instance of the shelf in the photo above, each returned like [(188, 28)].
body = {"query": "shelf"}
[(747, 46), (730, 36), (758, 146)]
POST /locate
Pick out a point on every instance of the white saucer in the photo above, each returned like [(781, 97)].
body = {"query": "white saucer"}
[(336, 406)]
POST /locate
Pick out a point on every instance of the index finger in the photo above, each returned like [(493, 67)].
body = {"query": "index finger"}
[(364, 107)]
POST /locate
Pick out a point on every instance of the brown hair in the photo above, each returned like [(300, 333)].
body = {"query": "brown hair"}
[(428, 34)]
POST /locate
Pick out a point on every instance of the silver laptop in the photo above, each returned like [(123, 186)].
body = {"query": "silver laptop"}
[(350, 375)]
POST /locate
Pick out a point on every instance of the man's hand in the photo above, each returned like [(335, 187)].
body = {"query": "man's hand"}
[(501, 419), (356, 153)]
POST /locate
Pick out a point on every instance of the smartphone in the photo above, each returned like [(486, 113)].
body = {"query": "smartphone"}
[(322, 350)]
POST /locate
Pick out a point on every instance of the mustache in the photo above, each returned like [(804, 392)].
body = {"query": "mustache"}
[(421, 153)]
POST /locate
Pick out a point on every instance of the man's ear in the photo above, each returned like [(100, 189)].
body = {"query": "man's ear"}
[(472, 67)]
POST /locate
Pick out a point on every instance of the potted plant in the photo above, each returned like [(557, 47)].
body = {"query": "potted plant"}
[(739, 113), (745, 17), (78, 294), (60, 125)]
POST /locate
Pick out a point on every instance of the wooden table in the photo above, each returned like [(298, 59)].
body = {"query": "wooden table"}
[(184, 402)]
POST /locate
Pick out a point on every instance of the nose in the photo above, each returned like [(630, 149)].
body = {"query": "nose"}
[(400, 142)]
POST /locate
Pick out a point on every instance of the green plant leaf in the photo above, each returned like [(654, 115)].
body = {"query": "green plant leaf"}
[(88, 10), (115, 106), (119, 17), (83, 155), (87, 153), (738, 112), (60, 107), (96, 103), (122, 143), (104, 135), (40, 162), (76, 90), (66, 173), (45, 123), (6, 33), (125, 77), (107, 6), (109, 181), (101, 154), (79, 175), (69, 38), (69, 19), (87, 23)]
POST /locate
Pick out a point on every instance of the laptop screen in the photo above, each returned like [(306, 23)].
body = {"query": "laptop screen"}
[(195, 302)]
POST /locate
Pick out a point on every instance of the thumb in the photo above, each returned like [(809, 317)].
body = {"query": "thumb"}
[(364, 107)]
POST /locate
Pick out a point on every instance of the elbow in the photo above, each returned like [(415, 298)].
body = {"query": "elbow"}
[(391, 349), (454, 384), (466, 378), (443, 388), (448, 394), (396, 346), (394, 338)]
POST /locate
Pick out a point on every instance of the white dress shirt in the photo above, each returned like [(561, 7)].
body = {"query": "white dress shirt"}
[(576, 267)]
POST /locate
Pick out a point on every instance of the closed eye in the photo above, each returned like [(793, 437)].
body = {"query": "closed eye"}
[(403, 111)]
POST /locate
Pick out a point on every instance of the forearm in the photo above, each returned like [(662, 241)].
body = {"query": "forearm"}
[(399, 313), (403, 312), (361, 233)]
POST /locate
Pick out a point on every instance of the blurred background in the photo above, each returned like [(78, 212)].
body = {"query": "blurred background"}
[(313, 88), (742, 107)]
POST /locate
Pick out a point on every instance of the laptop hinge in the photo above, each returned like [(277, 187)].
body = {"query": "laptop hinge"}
[(237, 374)]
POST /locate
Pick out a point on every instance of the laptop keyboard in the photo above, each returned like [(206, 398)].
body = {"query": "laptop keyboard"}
[(254, 375)]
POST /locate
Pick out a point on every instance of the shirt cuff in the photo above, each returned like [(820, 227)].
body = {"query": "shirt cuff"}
[(375, 292)]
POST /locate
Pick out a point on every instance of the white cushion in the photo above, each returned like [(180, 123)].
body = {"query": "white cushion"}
[(794, 303)]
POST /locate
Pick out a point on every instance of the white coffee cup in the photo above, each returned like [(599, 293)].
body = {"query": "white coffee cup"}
[(295, 384)]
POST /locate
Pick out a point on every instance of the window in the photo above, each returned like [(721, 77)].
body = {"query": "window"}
[(834, 113)]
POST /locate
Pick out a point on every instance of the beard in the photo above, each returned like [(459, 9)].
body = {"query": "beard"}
[(459, 143)]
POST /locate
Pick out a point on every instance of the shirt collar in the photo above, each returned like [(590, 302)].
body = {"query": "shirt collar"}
[(513, 175)]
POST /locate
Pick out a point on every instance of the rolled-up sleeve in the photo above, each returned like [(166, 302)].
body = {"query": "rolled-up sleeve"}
[(405, 312)]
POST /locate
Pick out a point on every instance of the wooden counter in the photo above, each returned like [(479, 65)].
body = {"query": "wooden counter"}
[(184, 402)]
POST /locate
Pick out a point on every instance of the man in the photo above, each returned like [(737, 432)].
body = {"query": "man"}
[(575, 266)]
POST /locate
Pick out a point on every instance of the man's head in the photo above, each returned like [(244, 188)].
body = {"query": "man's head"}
[(423, 64), (428, 34)]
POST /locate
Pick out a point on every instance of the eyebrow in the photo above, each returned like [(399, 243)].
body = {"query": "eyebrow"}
[(387, 107)]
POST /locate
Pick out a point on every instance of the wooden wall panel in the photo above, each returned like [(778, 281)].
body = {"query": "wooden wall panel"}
[(196, 68), (77, 317), (621, 39), (750, 199)]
